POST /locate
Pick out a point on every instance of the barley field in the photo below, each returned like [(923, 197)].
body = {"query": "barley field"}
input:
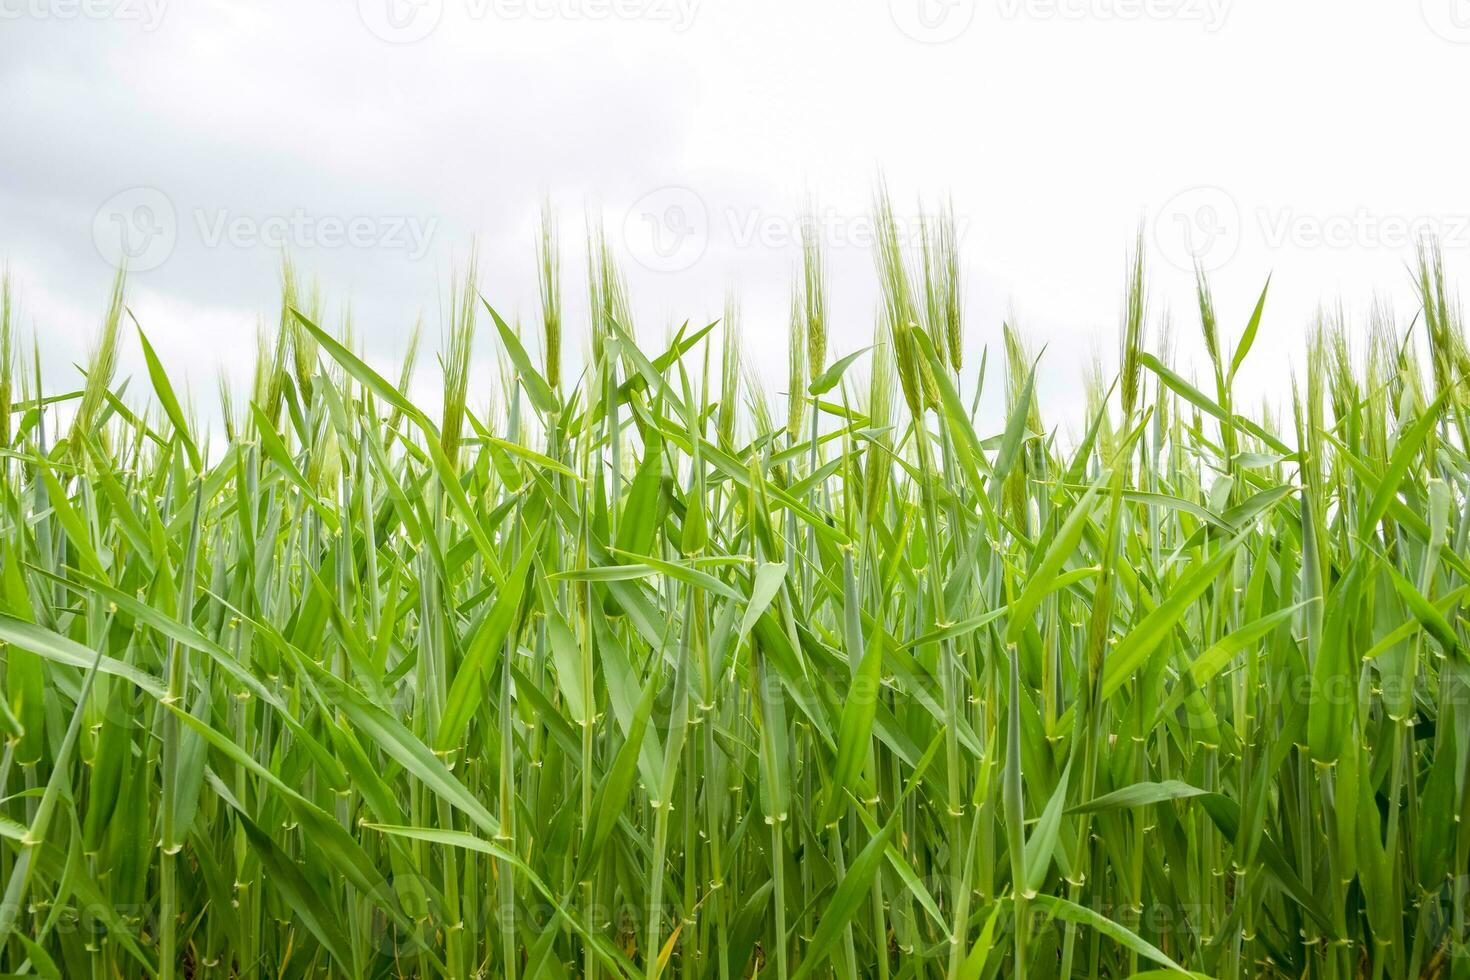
[(640, 670)]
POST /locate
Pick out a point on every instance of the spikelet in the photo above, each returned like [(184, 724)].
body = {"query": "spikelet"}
[(796, 364), (900, 313), (1449, 356), (1163, 401), (1018, 369), (455, 363), (607, 294), (814, 297), (879, 459), (549, 268), (757, 403), (942, 286), (1208, 325), (226, 405), (7, 357), (272, 355), (1133, 328), (729, 373), (1381, 378), (301, 345), (102, 365), (1342, 385), (1095, 389)]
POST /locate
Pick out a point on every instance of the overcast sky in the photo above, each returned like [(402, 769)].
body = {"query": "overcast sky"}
[(375, 140)]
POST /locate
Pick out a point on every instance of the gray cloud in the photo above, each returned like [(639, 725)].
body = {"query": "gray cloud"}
[(274, 126)]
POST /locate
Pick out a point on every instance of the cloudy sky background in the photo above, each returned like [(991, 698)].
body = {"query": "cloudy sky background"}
[(378, 139)]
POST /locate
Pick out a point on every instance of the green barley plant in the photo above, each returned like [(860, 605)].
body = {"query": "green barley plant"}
[(634, 675)]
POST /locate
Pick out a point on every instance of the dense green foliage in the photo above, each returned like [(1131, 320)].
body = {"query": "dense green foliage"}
[(626, 676)]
